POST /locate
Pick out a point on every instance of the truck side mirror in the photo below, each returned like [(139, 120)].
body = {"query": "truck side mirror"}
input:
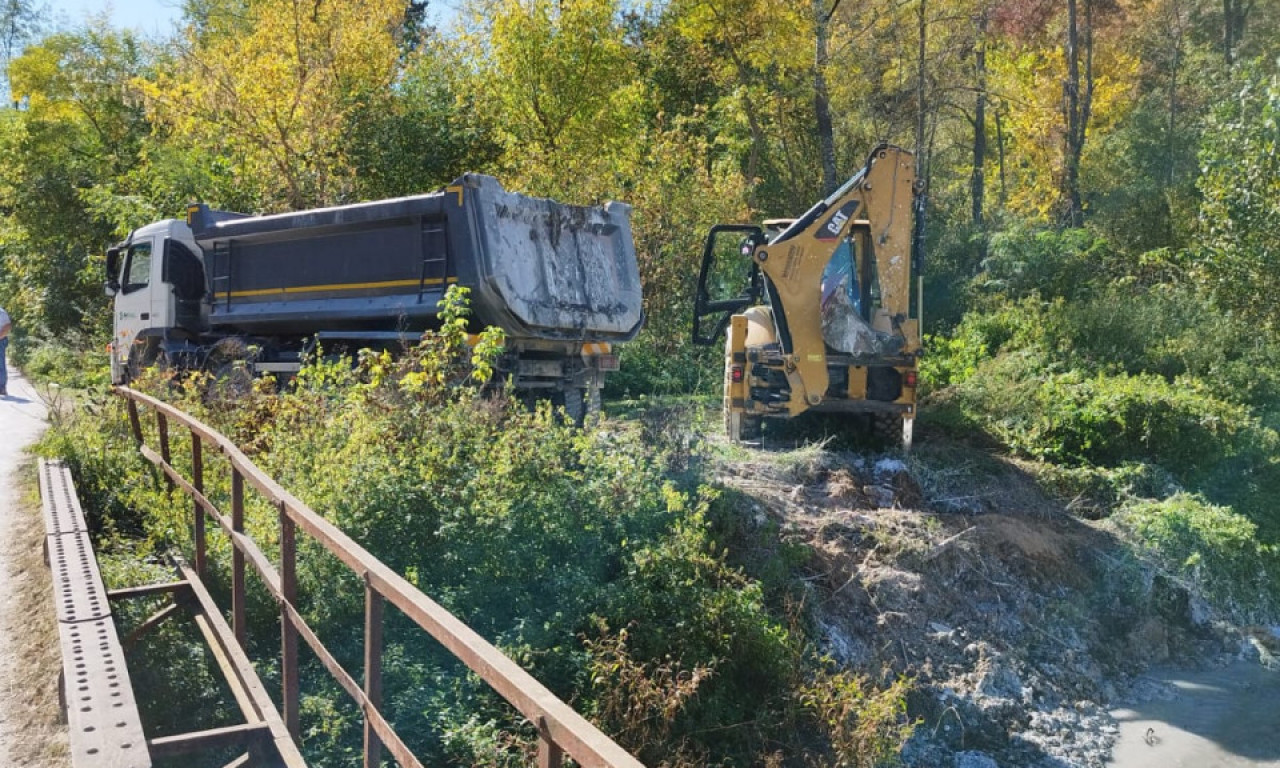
[(113, 263), (111, 288)]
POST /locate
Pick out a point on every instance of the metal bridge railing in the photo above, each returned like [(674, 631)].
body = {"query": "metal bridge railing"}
[(561, 730)]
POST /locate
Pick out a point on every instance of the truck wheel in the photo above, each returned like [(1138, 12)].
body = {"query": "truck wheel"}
[(227, 364), (142, 357), (575, 405)]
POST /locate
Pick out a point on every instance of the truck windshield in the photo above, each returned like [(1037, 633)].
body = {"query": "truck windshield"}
[(137, 270)]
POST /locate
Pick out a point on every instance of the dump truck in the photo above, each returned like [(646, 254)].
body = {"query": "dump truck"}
[(818, 309), (220, 288)]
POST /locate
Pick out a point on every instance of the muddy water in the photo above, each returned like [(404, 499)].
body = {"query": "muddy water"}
[(1223, 718)]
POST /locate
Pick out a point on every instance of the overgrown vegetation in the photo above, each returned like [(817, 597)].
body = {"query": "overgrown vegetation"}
[(577, 552), (1100, 267)]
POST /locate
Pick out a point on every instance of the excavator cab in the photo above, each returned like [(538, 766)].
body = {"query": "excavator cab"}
[(817, 309)]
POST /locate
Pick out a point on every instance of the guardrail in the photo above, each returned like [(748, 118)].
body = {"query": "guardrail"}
[(103, 725), (561, 730)]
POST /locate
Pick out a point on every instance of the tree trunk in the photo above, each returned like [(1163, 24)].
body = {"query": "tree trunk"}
[(1234, 15), (1000, 155), (821, 98), (922, 165), (1170, 170), (1228, 30), (977, 182), (1077, 105)]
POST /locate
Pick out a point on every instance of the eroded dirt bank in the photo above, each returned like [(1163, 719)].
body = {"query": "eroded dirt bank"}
[(1025, 628)]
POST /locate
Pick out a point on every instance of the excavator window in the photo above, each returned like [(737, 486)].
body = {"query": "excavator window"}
[(729, 280), (729, 275)]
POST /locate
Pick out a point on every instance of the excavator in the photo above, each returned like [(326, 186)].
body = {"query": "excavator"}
[(818, 308)]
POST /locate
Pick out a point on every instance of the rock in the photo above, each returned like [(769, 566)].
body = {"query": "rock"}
[(1248, 651), (880, 495), (888, 467), (1000, 681), (1150, 641), (975, 760), (1200, 612)]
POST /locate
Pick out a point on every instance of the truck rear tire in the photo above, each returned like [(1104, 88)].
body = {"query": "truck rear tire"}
[(575, 405)]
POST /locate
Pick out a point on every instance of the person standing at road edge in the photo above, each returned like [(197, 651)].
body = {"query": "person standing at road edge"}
[(5, 327)]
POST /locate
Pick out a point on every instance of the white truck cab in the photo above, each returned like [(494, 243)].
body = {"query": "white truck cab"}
[(146, 306)]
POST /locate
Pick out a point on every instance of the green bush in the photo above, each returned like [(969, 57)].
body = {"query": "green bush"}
[(548, 540), (75, 363), (1210, 548), (654, 364), (1024, 261), (953, 359), (1076, 418)]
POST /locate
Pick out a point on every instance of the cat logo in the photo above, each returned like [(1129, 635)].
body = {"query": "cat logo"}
[(837, 223)]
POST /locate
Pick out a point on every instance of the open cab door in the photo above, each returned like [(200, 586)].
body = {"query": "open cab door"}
[(729, 280)]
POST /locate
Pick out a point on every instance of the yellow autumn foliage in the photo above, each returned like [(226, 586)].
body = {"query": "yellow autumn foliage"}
[(274, 93)]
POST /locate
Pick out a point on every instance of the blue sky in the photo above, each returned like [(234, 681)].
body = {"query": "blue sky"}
[(157, 17), (150, 17)]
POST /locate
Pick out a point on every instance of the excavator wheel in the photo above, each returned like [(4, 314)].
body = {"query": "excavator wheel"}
[(887, 427), (739, 427)]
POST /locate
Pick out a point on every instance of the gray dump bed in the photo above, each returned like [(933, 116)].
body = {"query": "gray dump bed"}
[(537, 268), (557, 267)]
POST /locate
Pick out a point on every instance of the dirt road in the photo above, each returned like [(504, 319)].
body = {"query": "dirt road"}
[(21, 422), (1223, 718)]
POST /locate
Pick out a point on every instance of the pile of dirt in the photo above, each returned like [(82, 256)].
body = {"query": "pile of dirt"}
[(1020, 623)]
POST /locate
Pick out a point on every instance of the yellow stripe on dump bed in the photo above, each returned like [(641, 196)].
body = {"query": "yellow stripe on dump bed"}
[(336, 287)]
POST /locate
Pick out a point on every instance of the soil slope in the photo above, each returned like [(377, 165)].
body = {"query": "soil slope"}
[(1024, 626)]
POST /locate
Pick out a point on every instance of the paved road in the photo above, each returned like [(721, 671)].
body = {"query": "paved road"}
[(1223, 718), (21, 422)]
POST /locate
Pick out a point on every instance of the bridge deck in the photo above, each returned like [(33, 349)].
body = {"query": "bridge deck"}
[(104, 727)]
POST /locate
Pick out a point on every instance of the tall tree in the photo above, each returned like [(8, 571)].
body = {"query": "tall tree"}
[(1240, 213), (67, 183), (20, 21), (1077, 106), (977, 179), (1234, 15), (821, 96), (276, 90)]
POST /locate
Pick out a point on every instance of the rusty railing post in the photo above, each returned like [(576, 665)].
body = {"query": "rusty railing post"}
[(134, 423), (162, 429), (197, 482), (372, 670), (288, 633), (237, 557), (549, 753)]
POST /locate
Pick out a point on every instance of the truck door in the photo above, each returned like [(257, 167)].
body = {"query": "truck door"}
[(133, 303)]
